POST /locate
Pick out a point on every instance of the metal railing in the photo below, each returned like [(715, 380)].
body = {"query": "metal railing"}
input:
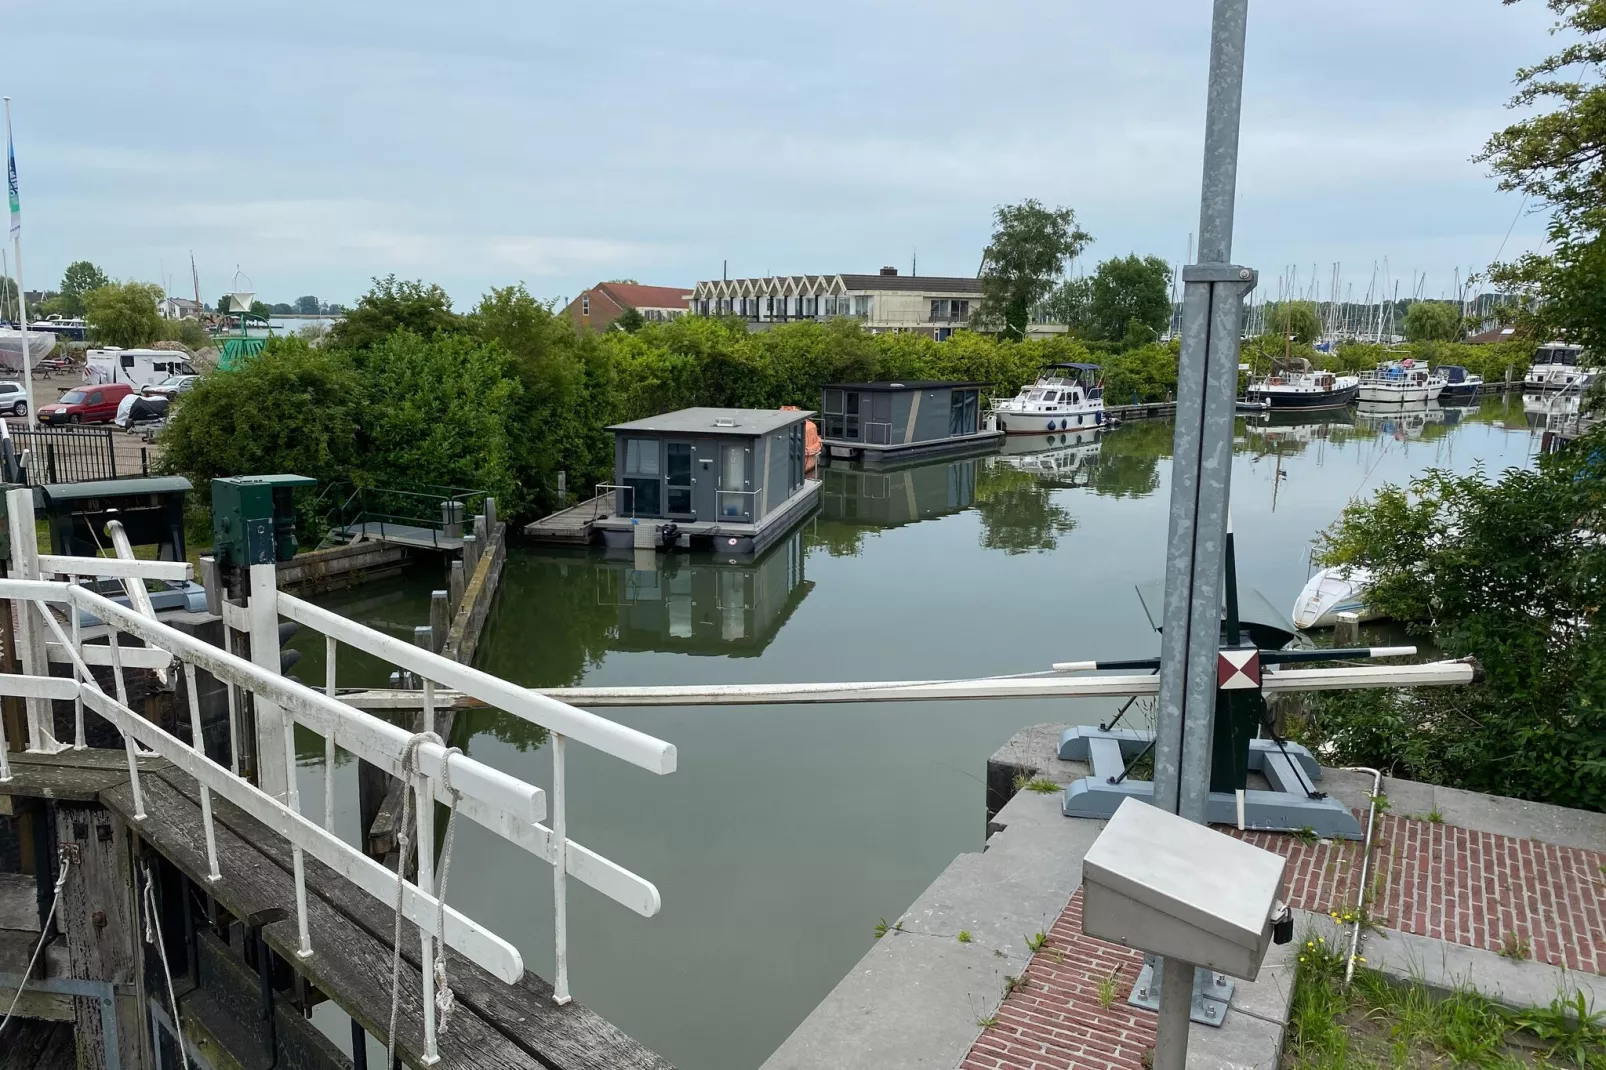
[(379, 511), (728, 505), (67, 456), (878, 432), (617, 488), (507, 806)]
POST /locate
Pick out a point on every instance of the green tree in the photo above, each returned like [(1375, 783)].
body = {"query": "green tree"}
[(186, 332), (261, 309), (392, 304), (1068, 304), (282, 308), (1129, 288), (630, 320), (1513, 573), (1028, 251), (124, 314), (1297, 318), (79, 280), (307, 306), (1432, 321)]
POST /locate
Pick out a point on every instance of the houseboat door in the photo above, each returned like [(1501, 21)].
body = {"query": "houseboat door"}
[(878, 429), (735, 503), (679, 480)]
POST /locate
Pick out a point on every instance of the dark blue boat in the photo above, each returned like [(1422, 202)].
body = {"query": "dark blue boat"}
[(1459, 385)]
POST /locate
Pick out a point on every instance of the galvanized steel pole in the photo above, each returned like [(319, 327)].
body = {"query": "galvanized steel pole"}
[(1201, 470)]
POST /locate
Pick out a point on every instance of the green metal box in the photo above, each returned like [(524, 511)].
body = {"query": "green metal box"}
[(254, 519)]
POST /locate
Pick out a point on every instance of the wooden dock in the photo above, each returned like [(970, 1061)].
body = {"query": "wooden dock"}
[(571, 526), (1147, 410), (213, 929), (416, 536)]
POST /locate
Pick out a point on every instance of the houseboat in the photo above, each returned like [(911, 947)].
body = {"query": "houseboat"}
[(1295, 387), (1460, 385), (1558, 365), (727, 480), (895, 422), (1064, 398), (1396, 382)]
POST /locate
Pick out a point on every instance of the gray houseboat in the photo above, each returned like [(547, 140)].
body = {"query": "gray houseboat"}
[(887, 423), (730, 480)]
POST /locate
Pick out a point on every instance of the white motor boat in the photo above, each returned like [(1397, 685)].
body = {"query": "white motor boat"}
[(1557, 366), (1398, 382), (1066, 397), (1341, 589)]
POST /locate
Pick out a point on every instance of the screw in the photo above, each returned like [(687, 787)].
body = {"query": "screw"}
[(1245, 274), (1210, 1010), (1221, 979), (99, 919), (1143, 993)]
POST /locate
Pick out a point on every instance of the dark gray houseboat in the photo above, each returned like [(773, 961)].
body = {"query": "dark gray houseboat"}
[(730, 480), (887, 423)]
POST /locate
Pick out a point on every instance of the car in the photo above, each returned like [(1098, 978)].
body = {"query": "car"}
[(13, 399), (170, 387), (85, 405)]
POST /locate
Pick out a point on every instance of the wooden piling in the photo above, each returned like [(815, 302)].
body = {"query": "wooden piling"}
[(455, 584), (440, 618), (1347, 631), (471, 554), (489, 509)]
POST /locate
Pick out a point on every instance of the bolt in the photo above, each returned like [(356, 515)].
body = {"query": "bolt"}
[(1245, 274), (1143, 993), (1221, 979), (99, 919), (1210, 1010)]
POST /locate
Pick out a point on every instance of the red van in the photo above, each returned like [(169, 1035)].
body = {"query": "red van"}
[(86, 405)]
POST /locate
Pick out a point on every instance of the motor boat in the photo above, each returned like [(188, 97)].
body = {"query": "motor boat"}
[(1396, 382), (1459, 384), (1065, 397), (1296, 387), (1331, 591), (1557, 366)]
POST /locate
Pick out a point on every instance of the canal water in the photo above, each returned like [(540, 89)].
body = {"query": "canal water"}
[(787, 832)]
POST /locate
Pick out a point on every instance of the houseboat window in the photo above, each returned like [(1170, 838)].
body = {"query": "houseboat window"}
[(794, 458), (963, 408), (641, 476), (733, 502), (833, 414), (677, 472), (850, 424)]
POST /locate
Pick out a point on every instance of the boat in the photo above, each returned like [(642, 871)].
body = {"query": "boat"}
[(1294, 386), (1556, 366), (1065, 397), (40, 343), (1459, 384), (1397, 382), (1331, 591)]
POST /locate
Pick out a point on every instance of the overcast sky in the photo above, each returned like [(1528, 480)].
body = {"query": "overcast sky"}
[(476, 143)]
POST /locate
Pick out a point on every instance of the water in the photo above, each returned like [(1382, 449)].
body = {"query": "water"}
[(788, 831)]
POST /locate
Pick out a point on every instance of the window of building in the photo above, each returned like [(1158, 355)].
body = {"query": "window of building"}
[(585, 304), (861, 307), (963, 412), (641, 477)]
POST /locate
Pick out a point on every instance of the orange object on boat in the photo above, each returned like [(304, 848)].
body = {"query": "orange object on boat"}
[(811, 438)]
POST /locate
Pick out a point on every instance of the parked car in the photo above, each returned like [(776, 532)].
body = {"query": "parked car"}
[(170, 387), (86, 405), (13, 399)]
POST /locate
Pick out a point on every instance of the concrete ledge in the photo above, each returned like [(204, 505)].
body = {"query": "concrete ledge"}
[(1446, 968)]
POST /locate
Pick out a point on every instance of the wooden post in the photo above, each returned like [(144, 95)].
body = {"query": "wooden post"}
[(372, 783), (1347, 631), (471, 556), (440, 618), (451, 519), (456, 583), (100, 925), (490, 516), (482, 530), (563, 489)]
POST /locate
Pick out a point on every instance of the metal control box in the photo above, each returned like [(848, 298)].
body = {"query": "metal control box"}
[(254, 519), (1161, 883)]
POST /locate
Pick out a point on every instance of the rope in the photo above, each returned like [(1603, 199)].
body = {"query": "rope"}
[(153, 936), (445, 999), (65, 864)]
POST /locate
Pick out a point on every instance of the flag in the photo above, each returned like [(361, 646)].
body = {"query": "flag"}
[(11, 179)]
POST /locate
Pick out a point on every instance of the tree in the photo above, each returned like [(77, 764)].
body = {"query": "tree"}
[(124, 314), (1068, 303), (630, 320), (1129, 288), (282, 308), (307, 306), (261, 309), (1432, 321), (1512, 572), (1297, 318), (391, 305), (79, 280), (1028, 252)]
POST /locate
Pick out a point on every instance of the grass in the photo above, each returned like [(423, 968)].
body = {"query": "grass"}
[(1041, 785), (1435, 817), (988, 1022), (1011, 983), (1382, 1023), (964, 936), (1515, 947), (1108, 989), (1307, 836), (1037, 942)]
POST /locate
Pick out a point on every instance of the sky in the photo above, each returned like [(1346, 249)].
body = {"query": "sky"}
[(478, 144)]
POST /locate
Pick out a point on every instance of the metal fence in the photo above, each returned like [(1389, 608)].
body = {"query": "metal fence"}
[(70, 456)]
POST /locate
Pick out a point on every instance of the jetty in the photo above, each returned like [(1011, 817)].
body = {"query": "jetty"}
[(572, 526)]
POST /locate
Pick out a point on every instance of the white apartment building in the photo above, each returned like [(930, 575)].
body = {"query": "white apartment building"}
[(885, 302)]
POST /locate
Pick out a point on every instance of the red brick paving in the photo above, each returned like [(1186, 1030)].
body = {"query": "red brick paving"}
[(1433, 880)]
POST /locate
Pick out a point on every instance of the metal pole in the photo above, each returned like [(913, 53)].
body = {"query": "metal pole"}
[(22, 302), (1201, 471), (273, 775)]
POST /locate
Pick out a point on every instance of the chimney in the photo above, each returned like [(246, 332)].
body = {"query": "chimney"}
[(889, 271)]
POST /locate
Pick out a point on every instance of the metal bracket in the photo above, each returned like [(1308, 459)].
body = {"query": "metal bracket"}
[(1220, 273), (104, 993), (1212, 993)]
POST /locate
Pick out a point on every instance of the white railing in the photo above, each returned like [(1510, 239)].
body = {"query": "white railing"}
[(433, 772)]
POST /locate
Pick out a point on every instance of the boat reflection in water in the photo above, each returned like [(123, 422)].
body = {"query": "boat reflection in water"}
[(1067, 459), (1292, 432), (703, 603), (1402, 422)]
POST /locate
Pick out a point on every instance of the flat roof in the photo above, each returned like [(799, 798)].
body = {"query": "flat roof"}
[(116, 488), (706, 421), (905, 384)]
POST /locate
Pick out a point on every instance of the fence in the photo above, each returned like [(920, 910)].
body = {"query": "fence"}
[(505, 805), (71, 456)]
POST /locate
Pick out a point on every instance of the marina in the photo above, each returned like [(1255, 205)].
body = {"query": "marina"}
[(898, 423)]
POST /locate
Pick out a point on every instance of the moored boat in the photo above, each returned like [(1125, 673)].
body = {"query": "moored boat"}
[(1459, 384), (1557, 366), (1331, 591), (1297, 388), (1065, 397), (1397, 382)]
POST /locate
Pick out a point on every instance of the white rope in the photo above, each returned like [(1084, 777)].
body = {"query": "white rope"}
[(153, 935), (445, 999), (64, 864)]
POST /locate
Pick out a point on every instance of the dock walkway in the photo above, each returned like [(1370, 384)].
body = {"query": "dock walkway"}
[(417, 536), (572, 525)]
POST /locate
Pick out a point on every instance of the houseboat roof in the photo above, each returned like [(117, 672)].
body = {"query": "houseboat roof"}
[(906, 384), (708, 421)]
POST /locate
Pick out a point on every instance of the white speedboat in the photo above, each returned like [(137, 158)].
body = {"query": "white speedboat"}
[(1341, 589), (1298, 388), (1557, 366), (1066, 397), (1397, 382)]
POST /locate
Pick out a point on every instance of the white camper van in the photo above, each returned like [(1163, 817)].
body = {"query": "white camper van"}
[(135, 367)]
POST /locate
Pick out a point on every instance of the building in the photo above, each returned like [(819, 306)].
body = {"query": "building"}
[(884, 303), (729, 480), (597, 308), (885, 423), (179, 308)]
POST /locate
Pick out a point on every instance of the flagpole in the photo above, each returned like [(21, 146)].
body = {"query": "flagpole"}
[(16, 250)]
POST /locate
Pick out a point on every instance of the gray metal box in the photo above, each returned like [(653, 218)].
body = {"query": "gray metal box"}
[(1161, 883)]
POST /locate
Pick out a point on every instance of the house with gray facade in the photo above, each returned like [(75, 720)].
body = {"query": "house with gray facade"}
[(889, 423), (730, 480)]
